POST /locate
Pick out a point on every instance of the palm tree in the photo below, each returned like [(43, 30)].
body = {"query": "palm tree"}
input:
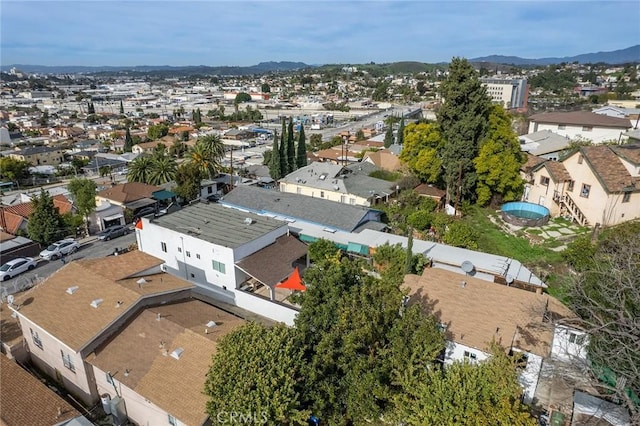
[(140, 169), (163, 170), (206, 154)]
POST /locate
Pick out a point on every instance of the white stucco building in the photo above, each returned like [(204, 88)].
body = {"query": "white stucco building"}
[(586, 125)]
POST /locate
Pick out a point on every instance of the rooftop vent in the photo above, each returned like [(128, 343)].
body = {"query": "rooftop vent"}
[(211, 324), (323, 176), (463, 284), (177, 353), (141, 282), (248, 221), (72, 289), (96, 302)]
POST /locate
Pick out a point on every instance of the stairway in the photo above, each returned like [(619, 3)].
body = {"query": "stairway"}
[(576, 214)]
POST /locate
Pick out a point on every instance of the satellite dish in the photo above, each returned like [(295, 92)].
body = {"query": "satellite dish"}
[(10, 299), (467, 267)]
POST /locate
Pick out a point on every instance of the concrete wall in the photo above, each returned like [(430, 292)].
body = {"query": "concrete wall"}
[(266, 308), (569, 344)]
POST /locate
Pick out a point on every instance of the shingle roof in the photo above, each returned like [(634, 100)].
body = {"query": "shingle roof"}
[(27, 401), (557, 171), (532, 162), (217, 224), (607, 167), (581, 118), (384, 159), (630, 152), (175, 385), (127, 192), (70, 317), (273, 263), (482, 311), (323, 212)]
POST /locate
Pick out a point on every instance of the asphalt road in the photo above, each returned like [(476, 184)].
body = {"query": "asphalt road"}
[(89, 249)]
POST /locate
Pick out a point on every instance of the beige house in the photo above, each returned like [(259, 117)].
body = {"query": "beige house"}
[(593, 185), (39, 155)]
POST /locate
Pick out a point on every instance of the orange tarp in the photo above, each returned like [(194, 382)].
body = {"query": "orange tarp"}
[(293, 282)]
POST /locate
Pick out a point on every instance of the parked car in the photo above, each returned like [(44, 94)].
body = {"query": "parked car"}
[(147, 211), (16, 267), (59, 249), (113, 232)]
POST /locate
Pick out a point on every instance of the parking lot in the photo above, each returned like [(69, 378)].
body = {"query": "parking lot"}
[(90, 248)]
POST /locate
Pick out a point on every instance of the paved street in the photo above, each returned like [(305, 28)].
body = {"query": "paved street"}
[(90, 248)]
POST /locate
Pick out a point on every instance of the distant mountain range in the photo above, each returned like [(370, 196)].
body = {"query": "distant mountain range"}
[(261, 68), (622, 56)]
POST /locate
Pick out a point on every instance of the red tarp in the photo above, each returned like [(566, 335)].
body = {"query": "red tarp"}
[(293, 282)]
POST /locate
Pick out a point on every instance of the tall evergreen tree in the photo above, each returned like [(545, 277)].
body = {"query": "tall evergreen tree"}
[(45, 222), (400, 136), (463, 120), (301, 154), (91, 109), (274, 165), (128, 141), (291, 148), (284, 166), (388, 136), (121, 108)]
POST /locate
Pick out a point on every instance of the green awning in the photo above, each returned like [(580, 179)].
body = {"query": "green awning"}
[(162, 195), (307, 238), (358, 248)]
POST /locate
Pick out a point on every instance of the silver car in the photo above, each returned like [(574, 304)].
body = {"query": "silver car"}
[(59, 249), (16, 267)]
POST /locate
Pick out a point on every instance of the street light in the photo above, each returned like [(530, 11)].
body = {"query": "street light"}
[(345, 141)]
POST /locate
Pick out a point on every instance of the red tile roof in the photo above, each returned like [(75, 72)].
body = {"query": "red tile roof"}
[(12, 216)]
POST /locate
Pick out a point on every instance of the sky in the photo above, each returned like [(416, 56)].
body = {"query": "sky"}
[(242, 33)]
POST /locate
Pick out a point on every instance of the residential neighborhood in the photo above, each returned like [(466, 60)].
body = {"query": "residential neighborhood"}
[(321, 245)]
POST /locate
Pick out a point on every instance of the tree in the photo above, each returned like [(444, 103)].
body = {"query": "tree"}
[(284, 165), (257, 370), (44, 118), (46, 224), (461, 234), (315, 140), (274, 166), (388, 137), (291, 148), (121, 108), (163, 169), (90, 108), (188, 177), (323, 250), (128, 141), (301, 152), (487, 393), (606, 296), (400, 135), (265, 88), (498, 161), (206, 154), (83, 192), (463, 122), (177, 149), (422, 145), (242, 97), (140, 169), (12, 170), (360, 135), (78, 163), (156, 131)]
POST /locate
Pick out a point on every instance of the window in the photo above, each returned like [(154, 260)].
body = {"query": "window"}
[(585, 190), (343, 198), (544, 180), (571, 185), (470, 356), (36, 338), (179, 249), (577, 339), (299, 190), (561, 127), (197, 256), (626, 197), (352, 201), (172, 420), (67, 361), (163, 246), (587, 128), (188, 254), (580, 158), (218, 266), (209, 189), (321, 194)]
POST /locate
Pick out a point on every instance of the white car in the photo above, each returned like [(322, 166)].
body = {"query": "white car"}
[(59, 249), (16, 267)]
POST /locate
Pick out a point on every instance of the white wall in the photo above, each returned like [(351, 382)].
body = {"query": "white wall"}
[(340, 196), (455, 352), (529, 377), (273, 311), (596, 134), (563, 348)]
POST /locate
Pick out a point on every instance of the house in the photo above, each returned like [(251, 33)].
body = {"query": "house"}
[(39, 155), (157, 364), (134, 196), (430, 191), (25, 400), (593, 185), (147, 147), (545, 144), (238, 134), (587, 125), (82, 305), (383, 159), (12, 246), (632, 114), (205, 242), (475, 313), (14, 218), (293, 208), (344, 184)]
